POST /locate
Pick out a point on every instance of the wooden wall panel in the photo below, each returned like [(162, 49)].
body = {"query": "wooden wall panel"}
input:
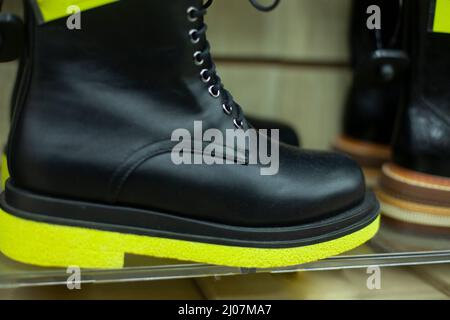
[(311, 34), (308, 98), (300, 30), (7, 78)]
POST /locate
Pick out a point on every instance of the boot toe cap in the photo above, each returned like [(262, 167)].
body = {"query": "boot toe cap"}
[(318, 185)]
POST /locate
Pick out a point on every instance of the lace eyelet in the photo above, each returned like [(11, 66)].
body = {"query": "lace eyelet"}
[(190, 17), (197, 60), (193, 34), (227, 109), (202, 76), (238, 123), (211, 92)]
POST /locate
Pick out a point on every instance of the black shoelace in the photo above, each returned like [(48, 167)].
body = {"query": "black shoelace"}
[(203, 58)]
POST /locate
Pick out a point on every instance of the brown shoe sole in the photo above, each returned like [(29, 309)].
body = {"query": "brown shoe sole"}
[(414, 197)]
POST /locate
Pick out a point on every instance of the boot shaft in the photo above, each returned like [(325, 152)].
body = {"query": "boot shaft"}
[(422, 137), (127, 79), (430, 54), (364, 40), (131, 44), (378, 72)]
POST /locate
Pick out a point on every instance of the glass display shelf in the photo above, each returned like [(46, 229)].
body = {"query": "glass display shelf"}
[(395, 245)]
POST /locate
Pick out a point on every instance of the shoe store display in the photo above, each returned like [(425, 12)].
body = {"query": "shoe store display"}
[(373, 100), (129, 166), (90, 154), (415, 186)]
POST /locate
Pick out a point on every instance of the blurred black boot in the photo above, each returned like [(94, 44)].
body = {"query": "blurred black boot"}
[(374, 97), (415, 186)]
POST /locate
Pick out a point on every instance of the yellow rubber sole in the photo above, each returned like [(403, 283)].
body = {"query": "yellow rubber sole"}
[(50, 245)]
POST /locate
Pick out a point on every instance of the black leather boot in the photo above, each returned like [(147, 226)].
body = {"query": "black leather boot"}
[(90, 155), (374, 97), (415, 186)]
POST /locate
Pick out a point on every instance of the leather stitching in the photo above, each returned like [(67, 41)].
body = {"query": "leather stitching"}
[(123, 171), (116, 175)]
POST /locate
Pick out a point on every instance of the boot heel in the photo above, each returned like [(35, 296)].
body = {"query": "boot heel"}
[(44, 244)]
